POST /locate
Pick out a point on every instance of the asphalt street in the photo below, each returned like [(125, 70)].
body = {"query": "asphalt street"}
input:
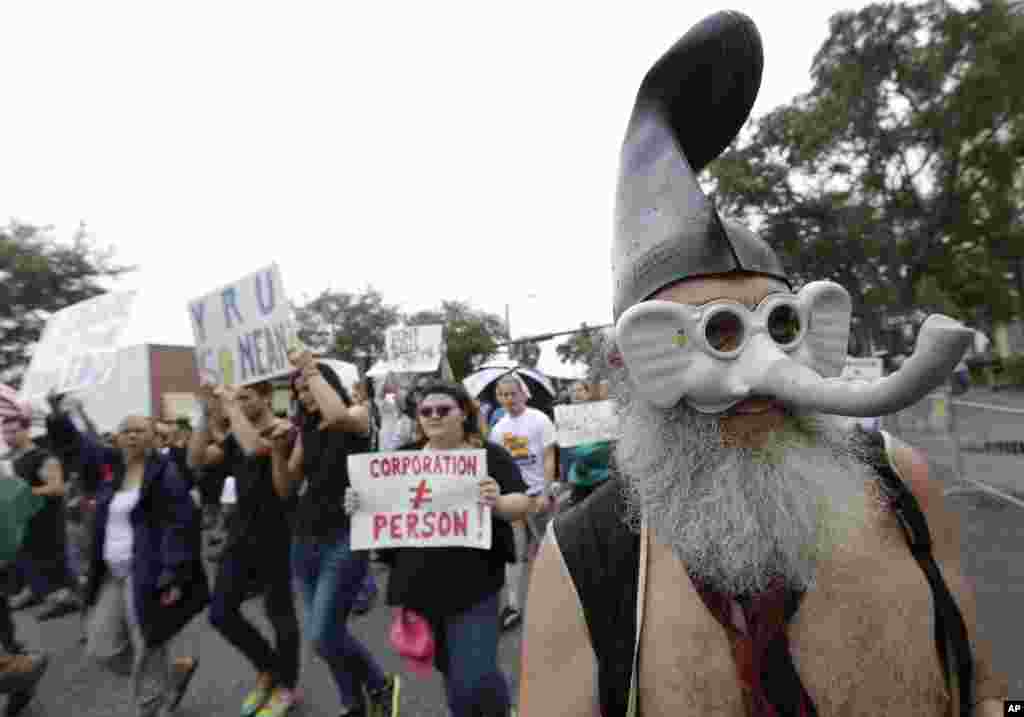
[(993, 546)]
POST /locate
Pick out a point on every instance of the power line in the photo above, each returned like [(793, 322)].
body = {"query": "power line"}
[(546, 337)]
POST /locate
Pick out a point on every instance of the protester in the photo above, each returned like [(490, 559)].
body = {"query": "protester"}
[(329, 573), (362, 390), (750, 558), (529, 436), (588, 464), (42, 562), (257, 556), (20, 670), (457, 589), (147, 579)]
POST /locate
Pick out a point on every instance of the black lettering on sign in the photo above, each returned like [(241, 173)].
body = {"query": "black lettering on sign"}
[(1013, 707)]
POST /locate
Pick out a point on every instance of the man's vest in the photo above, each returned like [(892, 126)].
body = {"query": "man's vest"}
[(602, 555)]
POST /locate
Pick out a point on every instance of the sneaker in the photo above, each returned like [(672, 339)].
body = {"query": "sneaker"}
[(385, 701), (256, 700), (510, 617), (184, 677), (280, 703), (61, 603)]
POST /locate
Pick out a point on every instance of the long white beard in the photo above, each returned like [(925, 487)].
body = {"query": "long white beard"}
[(738, 518)]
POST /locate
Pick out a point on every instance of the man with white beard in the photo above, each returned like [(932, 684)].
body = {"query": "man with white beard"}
[(752, 556)]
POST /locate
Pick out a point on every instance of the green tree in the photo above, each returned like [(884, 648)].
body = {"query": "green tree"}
[(472, 335), (347, 326), (40, 275), (588, 346), (902, 162)]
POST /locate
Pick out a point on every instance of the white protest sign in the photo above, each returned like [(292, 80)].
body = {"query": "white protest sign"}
[(419, 499), (414, 349), (78, 348), (869, 369), (243, 330), (586, 423)]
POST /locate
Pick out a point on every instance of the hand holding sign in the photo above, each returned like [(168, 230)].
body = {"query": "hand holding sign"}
[(351, 501), (489, 492)]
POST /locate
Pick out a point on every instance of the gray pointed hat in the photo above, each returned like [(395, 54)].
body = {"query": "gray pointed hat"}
[(691, 105)]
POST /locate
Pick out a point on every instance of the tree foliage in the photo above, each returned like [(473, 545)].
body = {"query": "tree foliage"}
[(899, 174), (588, 346), (347, 326), (472, 335), (40, 275)]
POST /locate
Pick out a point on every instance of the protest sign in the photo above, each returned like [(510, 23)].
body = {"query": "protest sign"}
[(869, 369), (411, 349), (243, 331), (78, 348), (586, 423), (419, 499)]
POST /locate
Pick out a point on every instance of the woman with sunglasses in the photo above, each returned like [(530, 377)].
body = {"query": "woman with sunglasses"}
[(457, 589), (330, 427)]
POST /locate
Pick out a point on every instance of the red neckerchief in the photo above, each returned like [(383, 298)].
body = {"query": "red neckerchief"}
[(756, 626)]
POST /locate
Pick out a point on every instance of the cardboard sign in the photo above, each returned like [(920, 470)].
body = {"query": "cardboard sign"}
[(78, 348), (419, 499), (414, 349), (243, 331), (586, 423), (869, 369)]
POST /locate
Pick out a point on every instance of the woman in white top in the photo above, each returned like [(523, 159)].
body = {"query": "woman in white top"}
[(147, 580)]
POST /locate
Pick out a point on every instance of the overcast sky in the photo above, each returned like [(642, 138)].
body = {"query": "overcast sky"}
[(435, 150)]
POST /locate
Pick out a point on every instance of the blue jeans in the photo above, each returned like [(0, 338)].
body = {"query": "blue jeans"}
[(330, 576), (473, 683)]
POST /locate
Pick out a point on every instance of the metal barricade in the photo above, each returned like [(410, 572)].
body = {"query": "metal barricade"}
[(979, 436)]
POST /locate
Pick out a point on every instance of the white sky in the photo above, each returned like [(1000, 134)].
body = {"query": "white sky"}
[(434, 150)]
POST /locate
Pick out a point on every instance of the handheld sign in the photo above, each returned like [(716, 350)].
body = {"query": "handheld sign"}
[(419, 499), (244, 330), (411, 349), (78, 348), (589, 422)]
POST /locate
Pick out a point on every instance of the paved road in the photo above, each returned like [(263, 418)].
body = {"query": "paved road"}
[(74, 686), (993, 545)]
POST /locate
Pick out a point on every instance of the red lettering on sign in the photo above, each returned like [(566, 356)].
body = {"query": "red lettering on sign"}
[(373, 468), (421, 494), (470, 465), (411, 519), (396, 465), (405, 464), (461, 523), (379, 523), (396, 526), (428, 524), (438, 465), (444, 525)]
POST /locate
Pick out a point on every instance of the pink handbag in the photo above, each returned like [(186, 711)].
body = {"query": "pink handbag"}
[(413, 639)]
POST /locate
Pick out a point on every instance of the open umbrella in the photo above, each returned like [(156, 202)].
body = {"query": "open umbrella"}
[(482, 382)]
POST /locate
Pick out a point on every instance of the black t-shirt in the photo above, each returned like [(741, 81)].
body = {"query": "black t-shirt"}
[(321, 510), (262, 515), (44, 534), (438, 582)]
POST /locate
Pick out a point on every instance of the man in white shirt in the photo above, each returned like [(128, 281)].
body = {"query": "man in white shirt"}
[(529, 436)]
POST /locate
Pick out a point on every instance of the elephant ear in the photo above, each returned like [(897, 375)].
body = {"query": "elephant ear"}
[(828, 310), (655, 349)]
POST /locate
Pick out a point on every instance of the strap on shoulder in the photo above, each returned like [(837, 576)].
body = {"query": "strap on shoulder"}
[(951, 636)]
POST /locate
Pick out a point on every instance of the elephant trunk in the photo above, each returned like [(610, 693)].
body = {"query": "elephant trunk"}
[(941, 344)]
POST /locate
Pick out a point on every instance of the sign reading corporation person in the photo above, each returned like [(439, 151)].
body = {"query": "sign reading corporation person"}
[(419, 499), (244, 329)]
